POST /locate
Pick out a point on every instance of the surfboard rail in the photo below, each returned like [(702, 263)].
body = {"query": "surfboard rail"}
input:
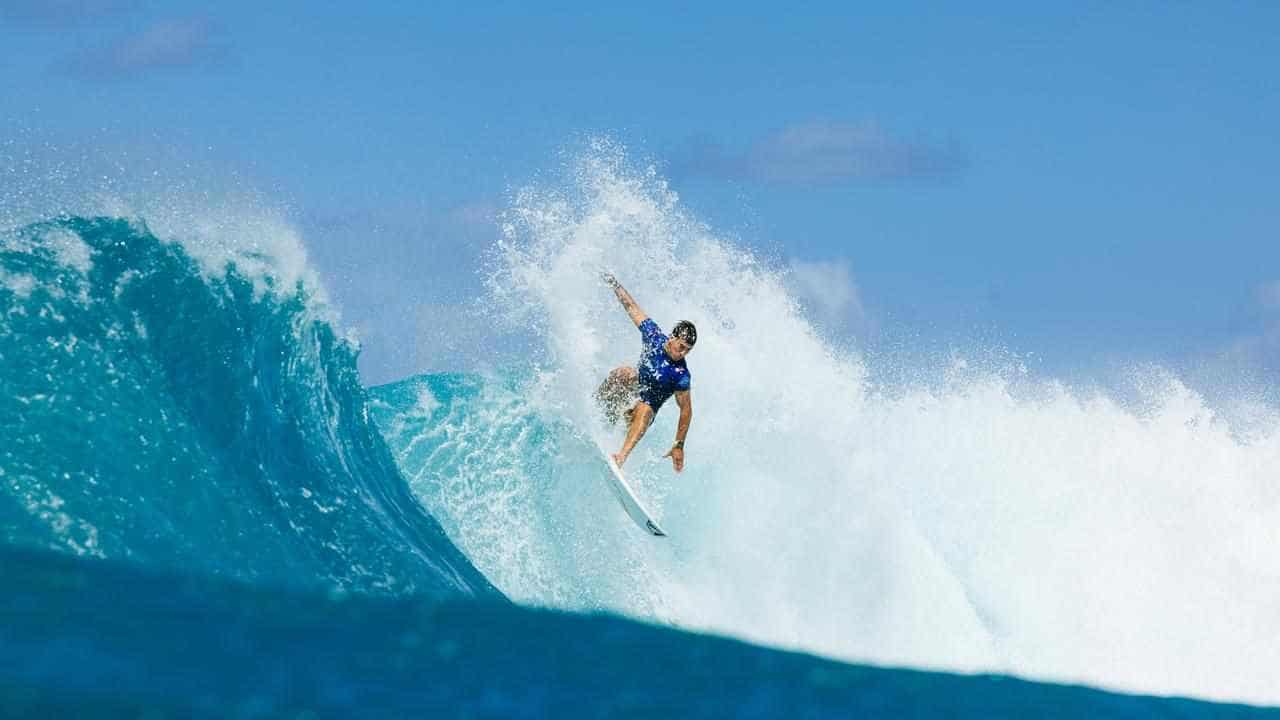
[(627, 498)]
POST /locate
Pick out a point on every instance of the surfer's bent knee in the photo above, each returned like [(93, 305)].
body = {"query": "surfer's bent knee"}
[(639, 404)]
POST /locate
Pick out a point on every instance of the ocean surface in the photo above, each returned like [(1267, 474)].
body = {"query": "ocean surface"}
[(205, 512)]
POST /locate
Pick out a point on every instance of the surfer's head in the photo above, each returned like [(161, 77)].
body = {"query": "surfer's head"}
[(683, 337)]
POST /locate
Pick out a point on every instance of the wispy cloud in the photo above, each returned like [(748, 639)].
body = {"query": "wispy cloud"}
[(1268, 342), (828, 289), (823, 152), (1260, 347), (167, 45), (62, 13), (479, 215), (1268, 296)]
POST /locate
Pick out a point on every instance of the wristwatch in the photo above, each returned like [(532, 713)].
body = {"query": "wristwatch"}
[(678, 444)]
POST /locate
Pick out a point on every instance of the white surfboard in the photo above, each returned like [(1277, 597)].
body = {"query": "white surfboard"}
[(628, 499)]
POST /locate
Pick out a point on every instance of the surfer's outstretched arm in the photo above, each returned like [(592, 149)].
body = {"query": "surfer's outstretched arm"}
[(637, 315), (676, 453), (640, 420)]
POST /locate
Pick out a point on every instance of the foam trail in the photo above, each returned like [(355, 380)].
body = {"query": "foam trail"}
[(987, 520)]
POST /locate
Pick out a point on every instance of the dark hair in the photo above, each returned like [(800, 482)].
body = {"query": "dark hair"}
[(686, 332)]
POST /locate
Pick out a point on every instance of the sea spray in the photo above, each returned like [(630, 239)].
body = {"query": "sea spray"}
[(968, 516)]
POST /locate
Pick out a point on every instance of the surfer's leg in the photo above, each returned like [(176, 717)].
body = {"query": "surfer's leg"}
[(619, 379), (631, 411), (616, 389), (641, 417)]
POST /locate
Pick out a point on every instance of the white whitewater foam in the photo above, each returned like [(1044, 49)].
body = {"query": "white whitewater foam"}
[(983, 521)]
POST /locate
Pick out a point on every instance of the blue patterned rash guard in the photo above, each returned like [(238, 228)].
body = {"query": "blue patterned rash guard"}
[(660, 376)]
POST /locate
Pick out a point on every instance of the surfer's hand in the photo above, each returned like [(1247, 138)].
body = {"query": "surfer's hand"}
[(609, 279), (677, 458)]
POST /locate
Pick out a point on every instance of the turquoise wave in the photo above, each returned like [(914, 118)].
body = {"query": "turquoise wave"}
[(155, 411), (521, 489)]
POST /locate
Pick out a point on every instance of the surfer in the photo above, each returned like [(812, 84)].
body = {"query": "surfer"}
[(660, 374)]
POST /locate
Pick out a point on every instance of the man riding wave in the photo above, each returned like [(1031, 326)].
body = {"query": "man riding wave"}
[(661, 373)]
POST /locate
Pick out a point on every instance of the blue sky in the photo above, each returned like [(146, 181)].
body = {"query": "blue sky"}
[(1086, 182)]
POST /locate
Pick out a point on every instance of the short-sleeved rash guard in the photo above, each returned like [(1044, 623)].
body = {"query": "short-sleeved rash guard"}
[(660, 376)]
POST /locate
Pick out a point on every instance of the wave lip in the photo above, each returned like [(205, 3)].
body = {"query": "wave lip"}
[(173, 416)]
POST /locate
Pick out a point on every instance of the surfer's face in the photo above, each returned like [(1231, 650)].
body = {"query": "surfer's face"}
[(677, 348)]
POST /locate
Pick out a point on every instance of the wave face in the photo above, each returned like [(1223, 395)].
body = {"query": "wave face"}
[(975, 518), (520, 491), (186, 407)]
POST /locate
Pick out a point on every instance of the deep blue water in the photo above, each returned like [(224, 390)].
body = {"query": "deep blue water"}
[(92, 638)]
